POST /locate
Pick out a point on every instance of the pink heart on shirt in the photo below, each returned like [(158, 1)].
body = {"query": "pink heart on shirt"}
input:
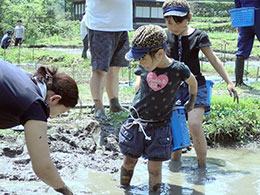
[(156, 82)]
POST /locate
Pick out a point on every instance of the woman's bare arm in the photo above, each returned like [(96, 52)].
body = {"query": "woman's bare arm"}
[(38, 148)]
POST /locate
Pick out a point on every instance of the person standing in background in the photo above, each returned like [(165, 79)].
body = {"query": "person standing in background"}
[(84, 35), (246, 38), (19, 33), (108, 22)]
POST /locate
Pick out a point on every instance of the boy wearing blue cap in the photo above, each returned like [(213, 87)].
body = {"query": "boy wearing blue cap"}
[(147, 130), (184, 44)]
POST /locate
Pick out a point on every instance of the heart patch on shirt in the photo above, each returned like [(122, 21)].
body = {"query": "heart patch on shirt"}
[(155, 82)]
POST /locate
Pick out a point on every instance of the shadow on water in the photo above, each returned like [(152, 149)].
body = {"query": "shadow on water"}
[(165, 189), (197, 176)]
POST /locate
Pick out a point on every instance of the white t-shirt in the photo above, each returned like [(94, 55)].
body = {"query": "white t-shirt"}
[(110, 15), (83, 27), (19, 32)]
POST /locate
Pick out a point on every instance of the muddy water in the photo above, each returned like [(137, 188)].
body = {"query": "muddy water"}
[(229, 171)]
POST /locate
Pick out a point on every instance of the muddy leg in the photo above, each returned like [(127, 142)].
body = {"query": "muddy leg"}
[(199, 141), (176, 155), (155, 175), (127, 170)]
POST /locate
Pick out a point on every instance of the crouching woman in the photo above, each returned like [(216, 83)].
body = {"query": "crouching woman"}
[(29, 99)]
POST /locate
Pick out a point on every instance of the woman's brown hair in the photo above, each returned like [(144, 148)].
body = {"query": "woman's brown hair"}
[(60, 83)]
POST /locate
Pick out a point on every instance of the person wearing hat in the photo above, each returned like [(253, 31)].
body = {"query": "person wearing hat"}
[(184, 43), (6, 40), (19, 33), (147, 130), (246, 38)]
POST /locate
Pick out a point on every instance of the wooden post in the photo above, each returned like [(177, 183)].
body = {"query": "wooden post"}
[(257, 73), (18, 54), (4, 54)]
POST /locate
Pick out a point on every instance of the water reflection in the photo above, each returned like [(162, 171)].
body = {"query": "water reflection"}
[(228, 172), (165, 189)]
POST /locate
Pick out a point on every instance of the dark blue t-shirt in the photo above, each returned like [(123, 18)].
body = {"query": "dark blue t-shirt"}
[(247, 3), (157, 94), (191, 45), (20, 98)]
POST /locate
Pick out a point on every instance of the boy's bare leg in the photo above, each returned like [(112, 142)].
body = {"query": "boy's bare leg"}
[(176, 155), (155, 175), (127, 170), (195, 118)]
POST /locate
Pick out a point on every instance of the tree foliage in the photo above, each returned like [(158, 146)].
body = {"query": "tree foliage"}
[(40, 18)]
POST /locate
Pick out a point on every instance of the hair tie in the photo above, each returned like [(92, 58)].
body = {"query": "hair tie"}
[(47, 77)]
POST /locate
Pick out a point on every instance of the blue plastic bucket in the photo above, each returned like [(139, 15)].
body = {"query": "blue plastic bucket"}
[(180, 134), (242, 17), (209, 85)]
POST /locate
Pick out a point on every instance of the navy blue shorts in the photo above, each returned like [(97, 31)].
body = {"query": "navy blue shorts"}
[(108, 49), (201, 98), (133, 144), (246, 37)]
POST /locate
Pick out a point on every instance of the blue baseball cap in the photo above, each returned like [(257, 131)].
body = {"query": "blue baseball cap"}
[(136, 53), (176, 11)]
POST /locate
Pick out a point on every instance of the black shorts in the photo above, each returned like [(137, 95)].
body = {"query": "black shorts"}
[(18, 40)]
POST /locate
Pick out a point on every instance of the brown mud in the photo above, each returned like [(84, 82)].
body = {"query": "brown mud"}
[(73, 139)]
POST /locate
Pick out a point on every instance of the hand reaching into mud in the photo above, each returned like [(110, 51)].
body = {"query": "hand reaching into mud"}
[(64, 190)]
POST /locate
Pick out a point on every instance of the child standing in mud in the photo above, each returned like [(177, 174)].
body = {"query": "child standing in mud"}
[(29, 100), (184, 44), (147, 130)]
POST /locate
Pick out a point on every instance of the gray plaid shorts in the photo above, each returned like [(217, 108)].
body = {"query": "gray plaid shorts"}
[(108, 49)]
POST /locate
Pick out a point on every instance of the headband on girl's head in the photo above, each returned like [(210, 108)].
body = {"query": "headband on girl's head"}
[(175, 11), (136, 53)]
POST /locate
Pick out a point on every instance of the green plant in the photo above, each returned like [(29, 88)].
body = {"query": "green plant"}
[(230, 122), (118, 118)]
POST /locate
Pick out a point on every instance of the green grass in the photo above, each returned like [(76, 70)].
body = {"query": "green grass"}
[(60, 41), (10, 132), (33, 55), (207, 69)]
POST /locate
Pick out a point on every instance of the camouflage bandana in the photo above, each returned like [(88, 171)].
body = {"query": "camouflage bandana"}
[(146, 38)]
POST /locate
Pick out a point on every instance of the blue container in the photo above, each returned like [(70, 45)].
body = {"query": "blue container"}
[(242, 17), (209, 85), (180, 134)]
